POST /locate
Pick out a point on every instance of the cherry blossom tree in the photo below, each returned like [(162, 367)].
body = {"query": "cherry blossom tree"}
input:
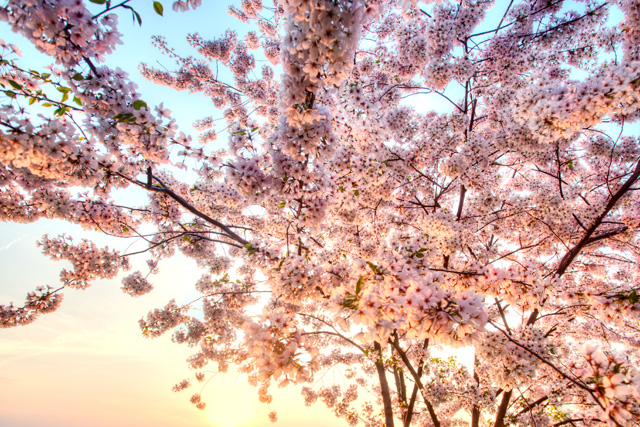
[(350, 225)]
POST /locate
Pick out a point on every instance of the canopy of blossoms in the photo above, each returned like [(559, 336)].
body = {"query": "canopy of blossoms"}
[(350, 222)]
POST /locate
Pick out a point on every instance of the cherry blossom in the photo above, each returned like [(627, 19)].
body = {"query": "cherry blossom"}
[(385, 182)]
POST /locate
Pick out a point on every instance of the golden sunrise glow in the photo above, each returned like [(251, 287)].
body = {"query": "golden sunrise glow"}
[(231, 404)]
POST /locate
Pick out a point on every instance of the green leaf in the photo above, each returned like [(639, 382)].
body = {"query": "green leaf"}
[(124, 117), (47, 104), (157, 6), (139, 104), (350, 301), (356, 192), (77, 101), (282, 205), (32, 101), (45, 76), (64, 97), (359, 285), (135, 16), (78, 77), (9, 94), (63, 89), (250, 248), (14, 84), (98, 1), (571, 164)]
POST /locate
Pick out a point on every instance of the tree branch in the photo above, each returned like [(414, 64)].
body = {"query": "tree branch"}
[(396, 345), (166, 190), (587, 239)]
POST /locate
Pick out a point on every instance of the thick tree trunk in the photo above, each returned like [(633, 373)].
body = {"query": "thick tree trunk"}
[(475, 417), (502, 409), (475, 411), (384, 386)]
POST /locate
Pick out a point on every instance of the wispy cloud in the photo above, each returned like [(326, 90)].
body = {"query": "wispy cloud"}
[(11, 243)]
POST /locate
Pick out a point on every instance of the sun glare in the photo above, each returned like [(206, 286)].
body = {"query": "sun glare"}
[(232, 405)]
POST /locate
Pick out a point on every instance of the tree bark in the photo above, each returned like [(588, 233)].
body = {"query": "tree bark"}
[(416, 378), (502, 409), (587, 238), (475, 417), (384, 386), (475, 411)]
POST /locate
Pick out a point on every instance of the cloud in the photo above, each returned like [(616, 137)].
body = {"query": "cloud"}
[(11, 243)]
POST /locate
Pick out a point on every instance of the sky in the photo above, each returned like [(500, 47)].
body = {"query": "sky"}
[(87, 364)]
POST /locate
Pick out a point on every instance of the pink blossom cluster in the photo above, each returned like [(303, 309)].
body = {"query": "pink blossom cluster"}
[(315, 52), (181, 385), (89, 262), (160, 321), (276, 346), (616, 384), (135, 285), (320, 39), (42, 300), (511, 364), (551, 112), (294, 279), (185, 5), (63, 29), (196, 399)]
